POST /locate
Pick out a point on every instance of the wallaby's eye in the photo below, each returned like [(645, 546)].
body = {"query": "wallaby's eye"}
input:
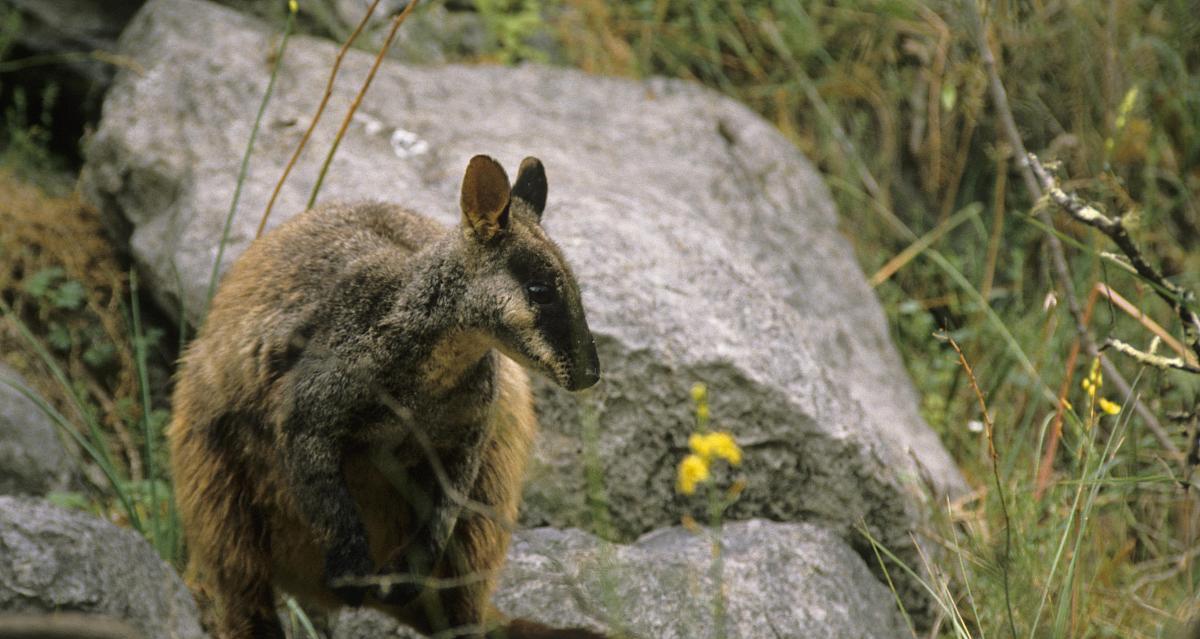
[(540, 292)]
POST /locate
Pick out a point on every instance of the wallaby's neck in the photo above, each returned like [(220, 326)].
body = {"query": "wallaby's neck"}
[(445, 346)]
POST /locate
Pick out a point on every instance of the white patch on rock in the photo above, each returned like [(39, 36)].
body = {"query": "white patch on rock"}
[(406, 144), (370, 125)]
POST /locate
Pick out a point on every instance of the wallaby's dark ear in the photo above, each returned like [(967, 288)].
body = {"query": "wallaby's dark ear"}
[(485, 197), (531, 184)]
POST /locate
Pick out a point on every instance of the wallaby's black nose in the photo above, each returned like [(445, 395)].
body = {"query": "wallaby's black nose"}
[(586, 372), (584, 379)]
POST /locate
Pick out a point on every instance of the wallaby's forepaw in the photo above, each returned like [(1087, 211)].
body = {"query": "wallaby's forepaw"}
[(347, 574)]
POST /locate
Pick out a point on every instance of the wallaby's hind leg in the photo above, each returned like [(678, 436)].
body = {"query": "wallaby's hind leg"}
[(461, 609), (236, 575), (247, 611), (230, 561)]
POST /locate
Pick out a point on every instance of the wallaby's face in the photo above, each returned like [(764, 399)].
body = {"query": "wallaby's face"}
[(524, 294)]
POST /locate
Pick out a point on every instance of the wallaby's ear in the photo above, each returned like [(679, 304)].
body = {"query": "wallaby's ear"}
[(531, 184), (485, 197)]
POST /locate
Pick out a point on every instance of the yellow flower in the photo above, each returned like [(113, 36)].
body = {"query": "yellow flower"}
[(716, 445), (699, 393), (723, 446), (1126, 107), (692, 470), (702, 413), (1111, 408), (1089, 386), (293, 6)]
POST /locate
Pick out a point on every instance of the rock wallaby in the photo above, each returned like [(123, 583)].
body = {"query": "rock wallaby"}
[(352, 423)]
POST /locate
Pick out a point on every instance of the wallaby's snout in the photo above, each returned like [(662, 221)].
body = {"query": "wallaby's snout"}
[(585, 370), (541, 322)]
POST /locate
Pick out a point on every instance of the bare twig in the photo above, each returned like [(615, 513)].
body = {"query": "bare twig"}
[(386, 581), (1062, 272), (1149, 358), (1000, 97), (245, 167), (439, 470), (1136, 313), (1173, 294), (1125, 390), (362, 91), (1164, 439), (991, 439), (337, 65)]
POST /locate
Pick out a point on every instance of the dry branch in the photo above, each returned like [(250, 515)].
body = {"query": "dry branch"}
[(1062, 273), (362, 91), (991, 440), (1149, 358), (333, 73), (1114, 227)]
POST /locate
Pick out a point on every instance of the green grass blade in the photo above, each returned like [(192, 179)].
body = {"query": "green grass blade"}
[(109, 472), (61, 377), (148, 435), (245, 166)]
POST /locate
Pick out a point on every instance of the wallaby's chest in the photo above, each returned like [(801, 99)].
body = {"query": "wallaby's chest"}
[(410, 423)]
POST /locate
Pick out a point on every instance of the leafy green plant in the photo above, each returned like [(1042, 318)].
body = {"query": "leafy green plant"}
[(25, 137), (513, 24), (57, 293), (27, 124), (147, 504)]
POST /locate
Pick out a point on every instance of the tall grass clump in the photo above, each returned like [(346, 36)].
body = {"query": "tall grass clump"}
[(70, 321), (890, 99)]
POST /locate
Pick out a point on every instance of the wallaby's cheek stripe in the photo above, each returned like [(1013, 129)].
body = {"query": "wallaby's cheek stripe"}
[(555, 326), (521, 319), (518, 315)]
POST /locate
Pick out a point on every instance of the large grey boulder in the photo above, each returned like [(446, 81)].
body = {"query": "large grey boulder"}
[(779, 580), (56, 560), (33, 460), (706, 245)]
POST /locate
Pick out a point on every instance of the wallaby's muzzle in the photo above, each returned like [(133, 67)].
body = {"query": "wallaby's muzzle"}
[(585, 369)]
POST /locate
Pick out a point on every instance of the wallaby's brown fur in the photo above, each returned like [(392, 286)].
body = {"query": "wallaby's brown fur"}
[(357, 375)]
